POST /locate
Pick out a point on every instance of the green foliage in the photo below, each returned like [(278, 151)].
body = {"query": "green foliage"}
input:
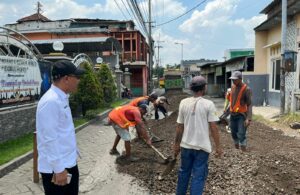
[(119, 103), (259, 118), (158, 72), (19, 146), (80, 121), (288, 118), (90, 92), (14, 148), (108, 84)]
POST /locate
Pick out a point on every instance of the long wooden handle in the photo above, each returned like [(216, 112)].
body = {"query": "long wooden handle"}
[(158, 152)]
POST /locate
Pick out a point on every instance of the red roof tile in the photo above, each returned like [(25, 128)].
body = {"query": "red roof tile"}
[(34, 17)]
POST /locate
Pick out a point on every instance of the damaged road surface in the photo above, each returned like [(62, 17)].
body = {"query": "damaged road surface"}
[(271, 166)]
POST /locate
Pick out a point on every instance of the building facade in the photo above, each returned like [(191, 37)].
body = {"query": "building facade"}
[(118, 43), (233, 53), (268, 58), (191, 68)]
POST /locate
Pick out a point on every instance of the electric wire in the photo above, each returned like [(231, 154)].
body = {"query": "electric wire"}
[(139, 23), (127, 10), (182, 14), (120, 9)]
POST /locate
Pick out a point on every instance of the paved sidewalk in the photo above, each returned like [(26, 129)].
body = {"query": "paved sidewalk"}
[(98, 174), (268, 112)]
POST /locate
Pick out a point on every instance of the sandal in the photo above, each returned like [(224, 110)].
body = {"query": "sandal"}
[(114, 152)]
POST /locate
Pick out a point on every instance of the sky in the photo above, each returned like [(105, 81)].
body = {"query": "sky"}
[(205, 32)]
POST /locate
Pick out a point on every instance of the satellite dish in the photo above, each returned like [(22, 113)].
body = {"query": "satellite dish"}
[(58, 46), (99, 60)]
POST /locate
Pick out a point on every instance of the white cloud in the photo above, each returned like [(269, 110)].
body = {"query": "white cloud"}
[(165, 8), (62, 9), (216, 29), (10, 12), (170, 52), (248, 26), (168, 8), (215, 13)]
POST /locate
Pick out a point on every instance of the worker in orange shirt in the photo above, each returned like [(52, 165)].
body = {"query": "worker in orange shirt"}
[(240, 110), (123, 117), (143, 100)]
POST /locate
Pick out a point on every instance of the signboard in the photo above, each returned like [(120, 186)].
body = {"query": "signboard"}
[(219, 71), (20, 80), (173, 83)]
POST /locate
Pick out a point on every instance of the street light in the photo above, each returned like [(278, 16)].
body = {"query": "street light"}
[(178, 43)]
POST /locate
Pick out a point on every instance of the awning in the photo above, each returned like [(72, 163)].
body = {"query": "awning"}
[(136, 63), (272, 44), (80, 44)]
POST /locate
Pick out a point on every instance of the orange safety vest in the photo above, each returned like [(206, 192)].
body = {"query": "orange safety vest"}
[(237, 107), (117, 115), (136, 101)]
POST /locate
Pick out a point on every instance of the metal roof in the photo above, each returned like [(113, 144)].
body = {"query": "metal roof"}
[(240, 58), (87, 44), (274, 18), (211, 64)]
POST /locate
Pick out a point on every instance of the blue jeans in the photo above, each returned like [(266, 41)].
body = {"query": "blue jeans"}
[(238, 129), (195, 163)]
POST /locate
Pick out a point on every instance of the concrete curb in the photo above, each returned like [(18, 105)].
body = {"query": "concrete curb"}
[(13, 164)]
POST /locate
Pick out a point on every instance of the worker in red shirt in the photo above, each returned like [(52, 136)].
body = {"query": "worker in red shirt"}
[(143, 100), (123, 117)]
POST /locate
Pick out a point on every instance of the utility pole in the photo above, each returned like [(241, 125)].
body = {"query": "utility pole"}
[(181, 44), (158, 60), (150, 51), (158, 47), (283, 48)]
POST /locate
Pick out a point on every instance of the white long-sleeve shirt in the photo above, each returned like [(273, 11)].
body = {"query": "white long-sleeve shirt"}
[(56, 140)]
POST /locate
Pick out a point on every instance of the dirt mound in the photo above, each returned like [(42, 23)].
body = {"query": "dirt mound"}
[(271, 167)]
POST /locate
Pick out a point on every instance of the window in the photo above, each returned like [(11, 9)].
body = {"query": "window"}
[(275, 75), (133, 45), (127, 45)]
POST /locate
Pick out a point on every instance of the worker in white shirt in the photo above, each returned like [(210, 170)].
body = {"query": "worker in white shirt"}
[(56, 140), (158, 105)]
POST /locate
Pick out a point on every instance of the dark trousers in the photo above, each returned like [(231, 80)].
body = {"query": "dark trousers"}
[(238, 129), (70, 189), (162, 109)]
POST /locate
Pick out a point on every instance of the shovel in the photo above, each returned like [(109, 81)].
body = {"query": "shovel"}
[(168, 169), (153, 137), (166, 160)]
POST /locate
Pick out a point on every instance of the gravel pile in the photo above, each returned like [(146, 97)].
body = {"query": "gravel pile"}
[(272, 166)]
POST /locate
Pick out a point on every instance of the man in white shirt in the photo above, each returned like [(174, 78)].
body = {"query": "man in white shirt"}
[(196, 120), (56, 140)]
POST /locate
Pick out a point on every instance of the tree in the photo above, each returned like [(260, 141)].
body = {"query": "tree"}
[(90, 93), (158, 72), (107, 81)]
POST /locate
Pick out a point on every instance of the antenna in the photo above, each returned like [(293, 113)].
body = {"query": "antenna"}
[(39, 7)]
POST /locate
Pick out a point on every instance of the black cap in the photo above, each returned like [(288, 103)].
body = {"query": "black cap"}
[(64, 67), (198, 81), (144, 107), (153, 95)]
